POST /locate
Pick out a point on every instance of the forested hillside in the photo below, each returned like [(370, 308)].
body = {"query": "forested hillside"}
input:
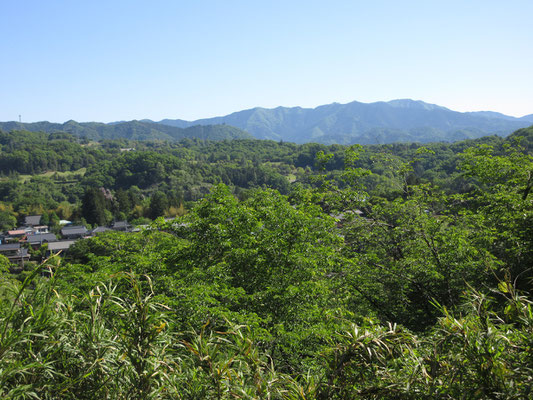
[(42, 171), (352, 123), (282, 271), (381, 122), (132, 130)]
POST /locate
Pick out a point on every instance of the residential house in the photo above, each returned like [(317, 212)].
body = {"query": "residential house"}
[(121, 226), (15, 253), (40, 229), (99, 229), (61, 245), (74, 232), (16, 235), (37, 240), (32, 220)]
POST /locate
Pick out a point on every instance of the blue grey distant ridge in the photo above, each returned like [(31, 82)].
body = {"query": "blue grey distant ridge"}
[(402, 120)]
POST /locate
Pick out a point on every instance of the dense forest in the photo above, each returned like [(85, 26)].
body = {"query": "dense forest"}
[(132, 130), (401, 120), (271, 270)]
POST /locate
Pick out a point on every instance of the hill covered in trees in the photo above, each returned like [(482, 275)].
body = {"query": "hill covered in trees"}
[(132, 130), (42, 171), (291, 272), (353, 123), (366, 123)]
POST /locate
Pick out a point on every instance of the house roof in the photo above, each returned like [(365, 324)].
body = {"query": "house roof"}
[(16, 232), (74, 230), (31, 220), (60, 245), (99, 229), (10, 246), (42, 237), (66, 228), (120, 224)]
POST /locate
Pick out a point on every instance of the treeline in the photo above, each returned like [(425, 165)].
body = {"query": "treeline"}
[(130, 130), (51, 173)]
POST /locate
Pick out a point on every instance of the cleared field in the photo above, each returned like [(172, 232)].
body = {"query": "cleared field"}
[(50, 174)]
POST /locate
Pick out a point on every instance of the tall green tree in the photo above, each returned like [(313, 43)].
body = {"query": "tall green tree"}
[(502, 198), (158, 204), (7, 220), (263, 260), (94, 207)]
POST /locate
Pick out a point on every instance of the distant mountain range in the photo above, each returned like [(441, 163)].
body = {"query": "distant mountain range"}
[(133, 130), (365, 123)]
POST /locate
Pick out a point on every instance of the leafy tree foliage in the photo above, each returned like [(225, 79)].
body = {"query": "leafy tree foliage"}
[(94, 207), (382, 272)]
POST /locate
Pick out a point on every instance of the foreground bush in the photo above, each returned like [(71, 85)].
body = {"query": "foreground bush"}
[(117, 342)]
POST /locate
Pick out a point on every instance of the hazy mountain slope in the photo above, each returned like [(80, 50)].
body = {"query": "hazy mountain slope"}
[(366, 123), (133, 130), (355, 122)]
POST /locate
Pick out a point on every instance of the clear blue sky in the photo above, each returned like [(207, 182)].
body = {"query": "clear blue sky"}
[(122, 60)]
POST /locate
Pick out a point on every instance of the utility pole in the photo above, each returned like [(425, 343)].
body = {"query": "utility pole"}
[(20, 118)]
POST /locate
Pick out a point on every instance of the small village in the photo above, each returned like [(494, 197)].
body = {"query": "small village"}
[(33, 241)]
